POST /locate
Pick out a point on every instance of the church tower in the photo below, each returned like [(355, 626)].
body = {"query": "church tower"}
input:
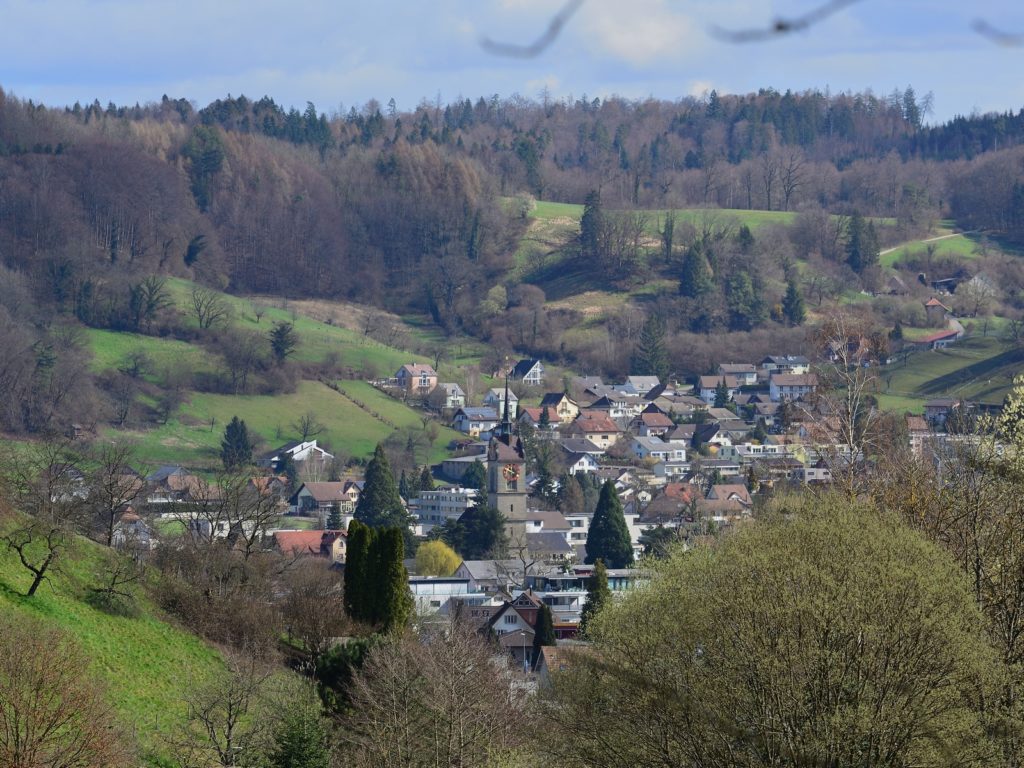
[(506, 469)]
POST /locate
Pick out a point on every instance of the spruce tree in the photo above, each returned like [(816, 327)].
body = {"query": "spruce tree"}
[(334, 520), (590, 226), (793, 304), (426, 479), (403, 487), (476, 478), (300, 741), (485, 534), (608, 538), (721, 394), (651, 357), (598, 596), (545, 418), (543, 632), (283, 340), (696, 278), (861, 244), (380, 504), (236, 448), (357, 564)]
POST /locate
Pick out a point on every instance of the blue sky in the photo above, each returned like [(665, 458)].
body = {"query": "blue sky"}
[(341, 53)]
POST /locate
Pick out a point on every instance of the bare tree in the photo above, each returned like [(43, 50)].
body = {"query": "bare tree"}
[(209, 307), (313, 607), (307, 426), (791, 175), (224, 726), (447, 700), (52, 710), (113, 484)]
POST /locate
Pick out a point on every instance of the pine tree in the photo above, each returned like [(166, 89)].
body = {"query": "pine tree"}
[(485, 532), (476, 478), (590, 226), (543, 632), (300, 741), (861, 244), (357, 563), (696, 277), (598, 596), (334, 520), (744, 303), (608, 538), (793, 304), (545, 418), (236, 448), (283, 340), (721, 394), (426, 480), (403, 487), (651, 357), (380, 504)]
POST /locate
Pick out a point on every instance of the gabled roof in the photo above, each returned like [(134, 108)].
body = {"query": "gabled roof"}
[(295, 543), (725, 491), (163, 472), (795, 379), (737, 368), (581, 445), (478, 414), (655, 419), (548, 542), (498, 393), (553, 521), (417, 369), (594, 424), (452, 388), (323, 492), (554, 399), (523, 367), (785, 360), (939, 336), (712, 382), (934, 302)]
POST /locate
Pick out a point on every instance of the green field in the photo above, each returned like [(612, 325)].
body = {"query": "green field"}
[(193, 438), (148, 664), (978, 368), (959, 247)]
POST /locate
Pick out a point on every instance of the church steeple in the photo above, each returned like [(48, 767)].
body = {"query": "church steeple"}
[(506, 422)]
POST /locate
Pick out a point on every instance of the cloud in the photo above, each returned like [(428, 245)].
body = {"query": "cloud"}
[(641, 32)]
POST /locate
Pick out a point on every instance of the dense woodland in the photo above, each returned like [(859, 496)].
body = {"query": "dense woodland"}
[(421, 212)]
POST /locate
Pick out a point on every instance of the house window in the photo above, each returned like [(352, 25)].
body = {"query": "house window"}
[(435, 603), (510, 619)]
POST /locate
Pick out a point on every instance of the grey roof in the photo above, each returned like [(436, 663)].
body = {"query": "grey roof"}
[(489, 570), (523, 367), (580, 445), (481, 414), (547, 541), (162, 473), (786, 360)]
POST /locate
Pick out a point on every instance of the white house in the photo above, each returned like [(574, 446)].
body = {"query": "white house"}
[(432, 594), (300, 450), (791, 386), (785, 364), (495, 398), (436, 507), (744, 373), (454, 397), (708, 386), (475, 421), (657, 449), (530, 372)]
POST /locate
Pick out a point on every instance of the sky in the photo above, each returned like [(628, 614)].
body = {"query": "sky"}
[(342, 53)]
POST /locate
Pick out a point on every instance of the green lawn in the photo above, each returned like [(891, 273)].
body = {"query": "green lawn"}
[(110, 348), (976, 368), (147, 663), (193, 439), (960, 247)]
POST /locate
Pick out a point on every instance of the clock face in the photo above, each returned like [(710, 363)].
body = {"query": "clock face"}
[(510, 472)]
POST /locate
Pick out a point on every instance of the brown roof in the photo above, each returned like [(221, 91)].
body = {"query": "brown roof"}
[(296, 543), (415, 369), (917, 424), (711, 382), (933, 302), (325, 491), (553, 521), (680, 491), (656, 419), (723, 491), (595, 424)]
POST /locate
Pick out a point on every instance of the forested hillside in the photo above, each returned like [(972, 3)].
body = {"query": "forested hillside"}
[(432, 213)]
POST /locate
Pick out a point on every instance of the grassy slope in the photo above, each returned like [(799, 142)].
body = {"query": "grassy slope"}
[(148, 664), (193, 437), (978, 368)]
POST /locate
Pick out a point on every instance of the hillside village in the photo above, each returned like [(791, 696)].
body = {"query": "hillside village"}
[(686, 461)]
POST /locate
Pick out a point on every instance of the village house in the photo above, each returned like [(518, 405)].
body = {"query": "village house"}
[(708, 386), (655, 449), (577, 463), (320, 499), (433, 508), (792, 386), (652, 423), (454, 397), (416, 379), (784, 364), (936, 311), (329, 545), (528, 371), (477, 422), (744, 373), (561, 407), (513, 626), (437, 594), (495, 399), (299, 451), (639, 385), (600, 430), (941, 339)]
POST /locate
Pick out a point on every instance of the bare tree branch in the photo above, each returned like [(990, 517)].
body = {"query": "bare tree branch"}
[(539, 45)]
